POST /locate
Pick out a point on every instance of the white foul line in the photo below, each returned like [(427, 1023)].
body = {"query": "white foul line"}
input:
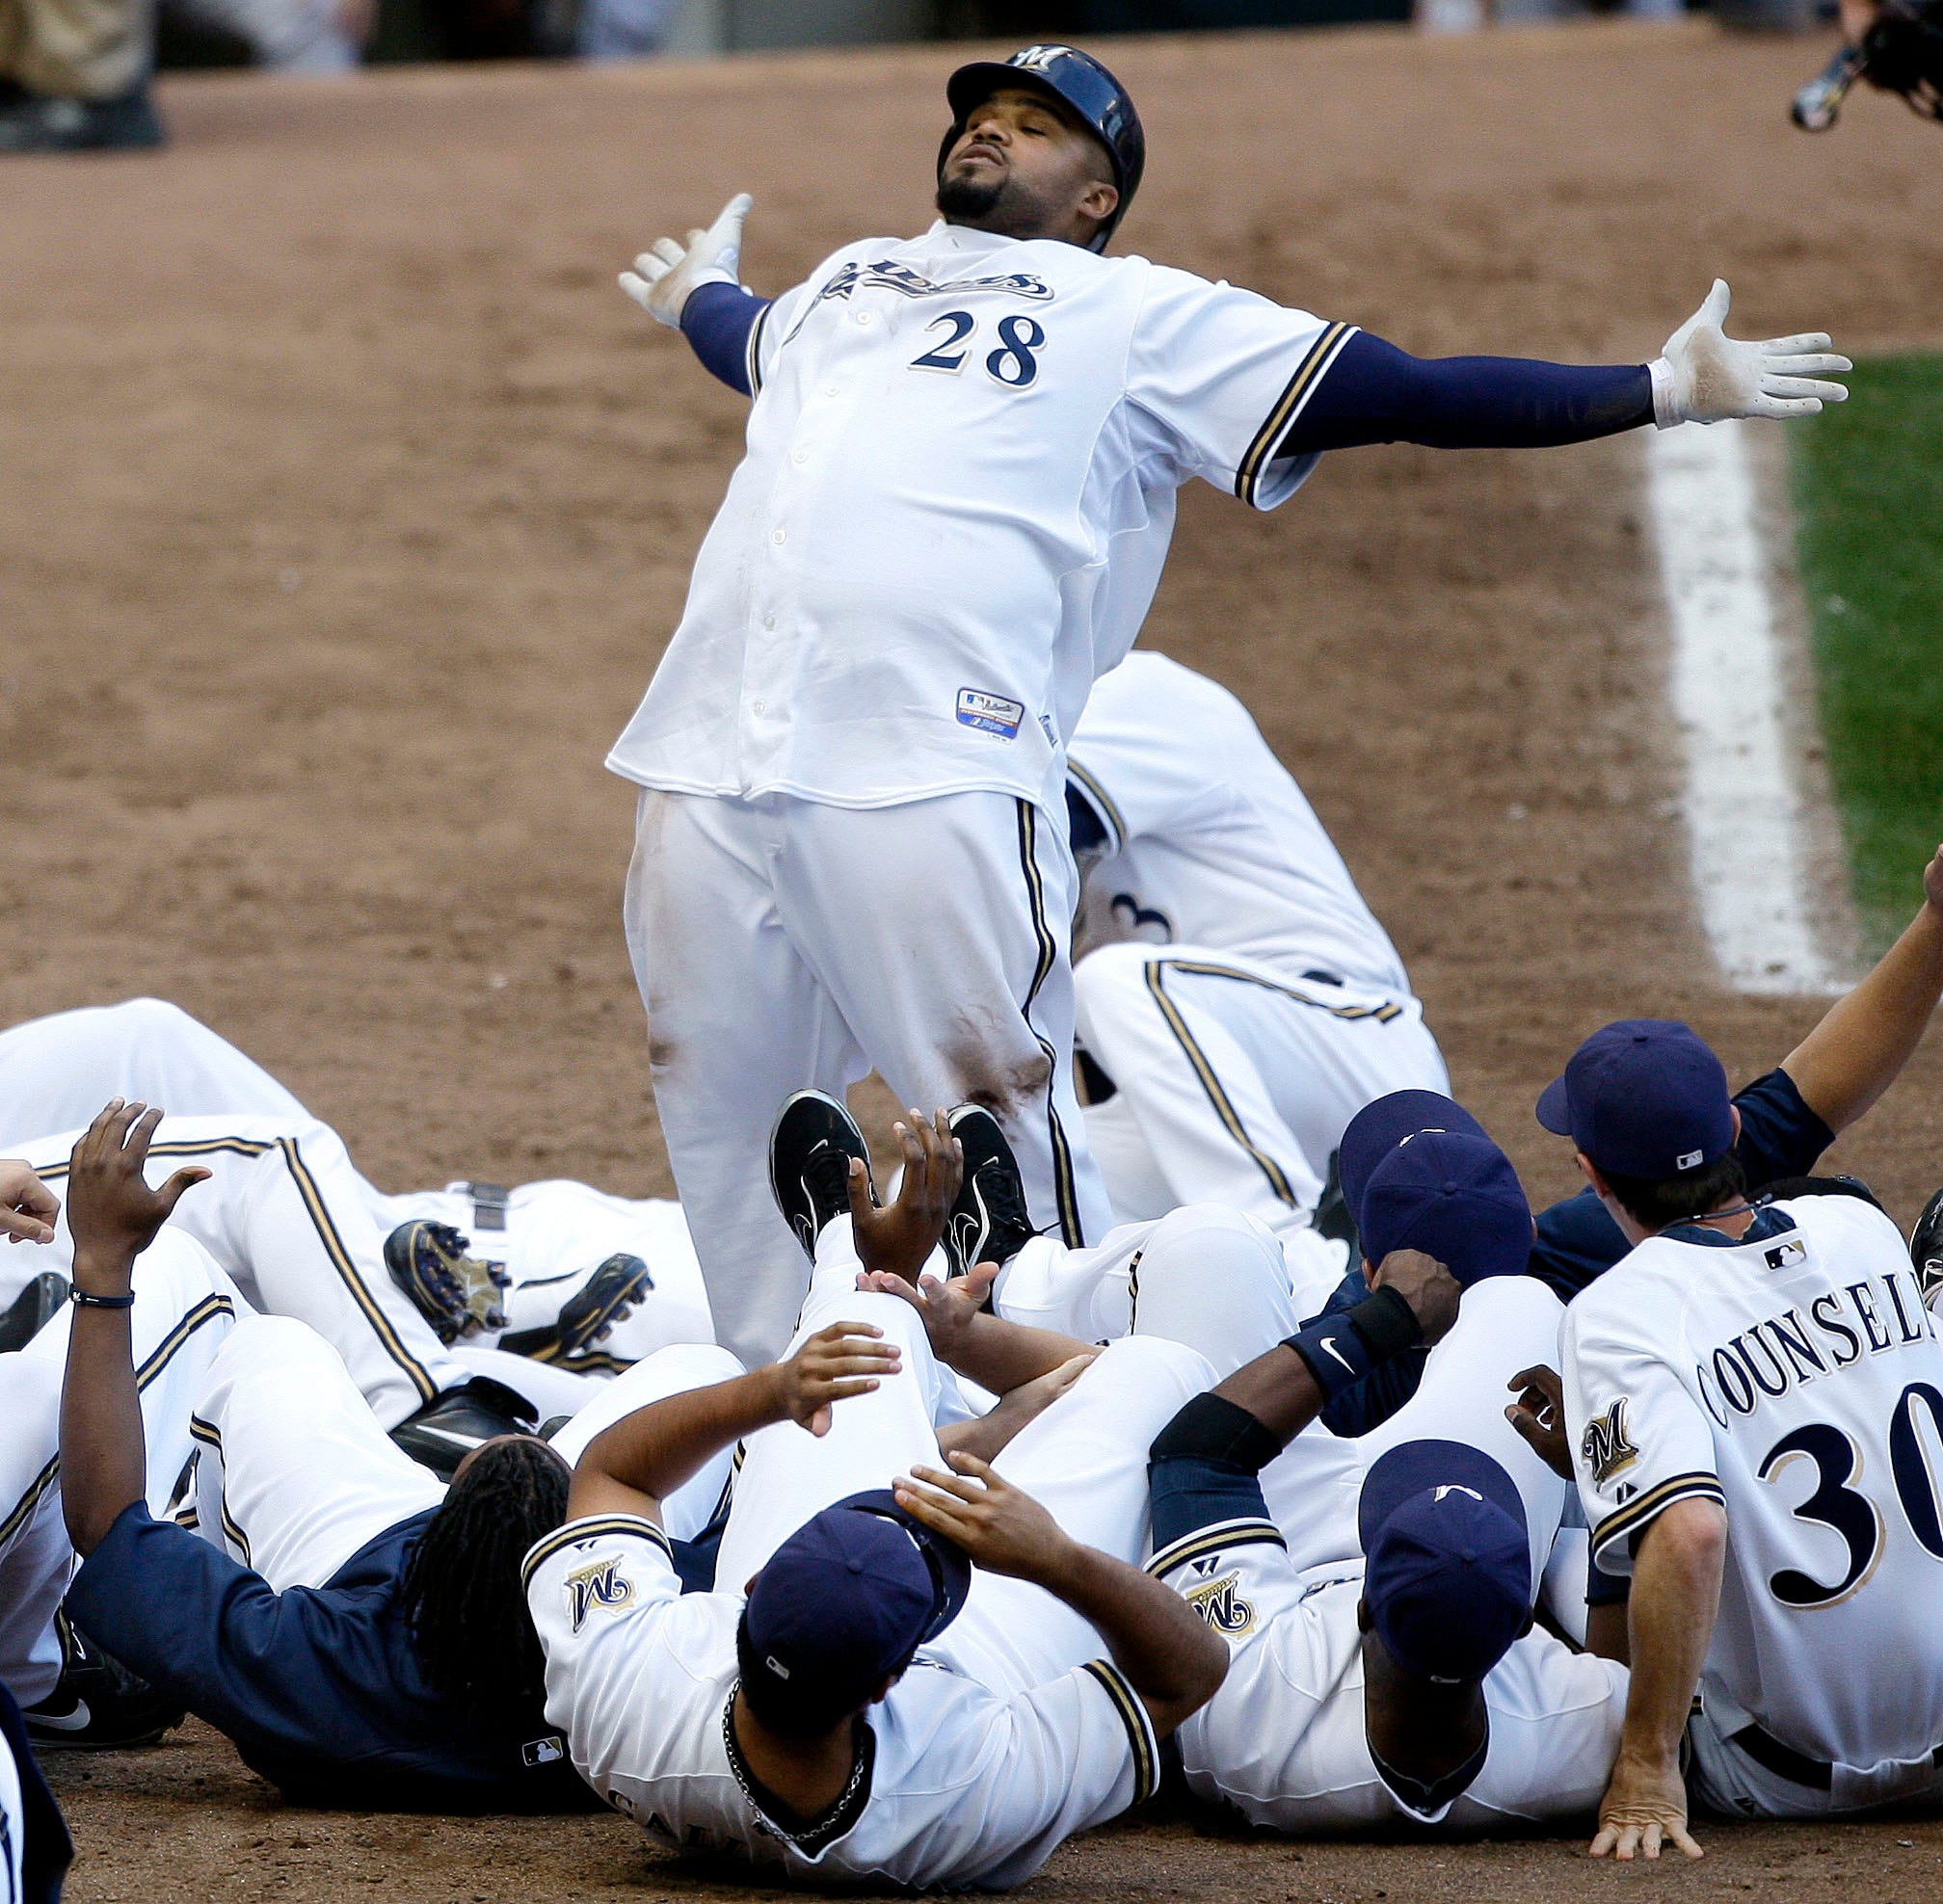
[(1742, 803)]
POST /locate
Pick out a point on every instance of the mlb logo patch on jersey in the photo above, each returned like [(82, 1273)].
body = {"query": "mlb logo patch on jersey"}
[(1785, 1255), (990, 713)]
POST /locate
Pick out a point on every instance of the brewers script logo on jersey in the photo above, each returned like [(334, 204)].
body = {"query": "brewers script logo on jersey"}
[(1219, 1603), (886, 274), (599, 1583), (1605, 1450)]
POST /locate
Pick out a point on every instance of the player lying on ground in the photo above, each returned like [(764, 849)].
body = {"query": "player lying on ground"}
[(1410, 1687), (808, 1725), (355, 1626), (35, 1848), (1237, 1001), (963, 455), (1754, 1397)]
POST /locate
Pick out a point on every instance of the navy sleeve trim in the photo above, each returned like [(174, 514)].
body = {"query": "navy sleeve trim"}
[(596, 1527), (1113, 820), (1140, 1733), (1223, 1537), (1653, 1502), (722, 324), (1271, 440), (1371, 392)]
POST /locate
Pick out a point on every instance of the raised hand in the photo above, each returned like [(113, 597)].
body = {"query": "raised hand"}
[(27, 1207), (846, 1358), (113, 1213), (1709, 376), (1426, 1284), (1539, 1415), (898, 1239), (1003, 1530), (667, 273)]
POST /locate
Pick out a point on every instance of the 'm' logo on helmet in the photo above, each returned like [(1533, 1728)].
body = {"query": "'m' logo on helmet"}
[(1039, 59)]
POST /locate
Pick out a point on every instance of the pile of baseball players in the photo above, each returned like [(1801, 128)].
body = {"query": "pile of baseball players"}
[(1202, 1391)]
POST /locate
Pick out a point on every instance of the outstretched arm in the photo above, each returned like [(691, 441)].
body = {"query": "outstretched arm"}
[(1853, 1056), (691, 284), (632, 1467), (1375, 393), (114, 1215)]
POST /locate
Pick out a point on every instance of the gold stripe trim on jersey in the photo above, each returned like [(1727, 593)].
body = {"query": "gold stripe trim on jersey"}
[(204, 1311), (1102, 801), (1140, 1733), (1386, 1011), (1630, 1519), (1220, 1538), (1065, 1190), (208, 1434), (209, 1147), (1197, 1059), (597, 1528), (1297, 392), (754, 349)]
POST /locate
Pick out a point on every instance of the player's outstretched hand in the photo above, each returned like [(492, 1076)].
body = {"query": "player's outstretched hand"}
[(27, 1207), (113, 1213), (896, 1241), (1644, 1810), (1427, 1285), (1539, 1415), (1003, 1530), (671, 270), (1704, 376), (950, 1309), (846, 1358)]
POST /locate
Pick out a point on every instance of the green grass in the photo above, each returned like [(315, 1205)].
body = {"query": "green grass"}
[(1868, 481)]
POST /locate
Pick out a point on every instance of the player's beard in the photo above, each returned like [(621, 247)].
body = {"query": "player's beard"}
[(971, 198)]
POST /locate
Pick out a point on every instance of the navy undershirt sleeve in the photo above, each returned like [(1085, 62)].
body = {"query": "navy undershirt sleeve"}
[(1374, 393), (718, 320)]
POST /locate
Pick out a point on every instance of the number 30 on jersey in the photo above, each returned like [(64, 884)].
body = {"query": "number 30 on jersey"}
[(1015, 362)]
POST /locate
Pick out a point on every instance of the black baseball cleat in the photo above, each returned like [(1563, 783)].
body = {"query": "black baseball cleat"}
[(98, 1705), (1926, 1250), (989, 1223), (810, 1145), (458, 1294), (614, 1289), (450, 1426), (32, 1310)]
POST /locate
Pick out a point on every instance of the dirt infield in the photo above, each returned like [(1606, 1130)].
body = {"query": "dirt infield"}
[(347, 505)]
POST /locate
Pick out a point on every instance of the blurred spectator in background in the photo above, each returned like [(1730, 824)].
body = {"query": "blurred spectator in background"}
[(74, 76), (623, 29), (286, 35)]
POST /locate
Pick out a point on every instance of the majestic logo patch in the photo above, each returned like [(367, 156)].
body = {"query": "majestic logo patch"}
[(599, 1583), (990, 713), (1605, 1450), (886, 274), (1221, 1607)]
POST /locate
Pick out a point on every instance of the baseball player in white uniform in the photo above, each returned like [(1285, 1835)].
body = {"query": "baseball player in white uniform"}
[(1236, 999), (958, 491), (1755, 1402)]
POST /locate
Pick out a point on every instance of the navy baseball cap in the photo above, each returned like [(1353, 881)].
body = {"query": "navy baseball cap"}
[(842, 1604), (1644, 1097), (1454, 1196), (1379, 1127), (1447, 1571)]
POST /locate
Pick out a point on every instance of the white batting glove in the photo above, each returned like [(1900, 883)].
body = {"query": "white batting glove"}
[(1706, 376), (667, 274)]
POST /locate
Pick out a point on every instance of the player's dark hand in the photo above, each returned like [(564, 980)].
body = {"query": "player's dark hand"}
[(1003, 1530), (113, 1213), (951, 1311), (846, 1358), (1644, 1807), (27, 1207), (1426, 1284), (1539, 1415), (987, 1435), (897, 1240)]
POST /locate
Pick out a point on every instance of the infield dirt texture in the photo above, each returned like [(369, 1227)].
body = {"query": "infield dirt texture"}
[(346, 506)]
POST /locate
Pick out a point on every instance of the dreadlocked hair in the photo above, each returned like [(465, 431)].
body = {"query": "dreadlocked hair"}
[(463, 1598)]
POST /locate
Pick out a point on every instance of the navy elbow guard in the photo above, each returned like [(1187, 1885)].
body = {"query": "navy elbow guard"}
[(1340, 1350), (1212, 1428)]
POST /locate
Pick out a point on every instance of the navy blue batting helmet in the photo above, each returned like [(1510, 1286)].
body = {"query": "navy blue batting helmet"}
[(1084, 85)]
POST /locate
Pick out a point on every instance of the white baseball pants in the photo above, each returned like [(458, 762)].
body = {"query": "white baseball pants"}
[(184, 1309), (779, 943), (1085, 1460), (285, 1215), (1234, 1083)]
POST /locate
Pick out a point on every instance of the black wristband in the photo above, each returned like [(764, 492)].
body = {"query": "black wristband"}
[(1212, 1428), (1386, 1324), (81, 1299)]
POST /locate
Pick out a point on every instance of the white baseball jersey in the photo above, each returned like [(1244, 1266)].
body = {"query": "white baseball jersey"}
[(962, 1787), (1284, 1741), (955, 504), (1211, 841), (550, 1238), (1797, 1378)]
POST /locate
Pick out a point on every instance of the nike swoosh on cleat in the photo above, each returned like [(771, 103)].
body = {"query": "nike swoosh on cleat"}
[(77, 1721)]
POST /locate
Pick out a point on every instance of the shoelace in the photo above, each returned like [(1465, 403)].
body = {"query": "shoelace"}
[(827, 1172), (1003, 1197)]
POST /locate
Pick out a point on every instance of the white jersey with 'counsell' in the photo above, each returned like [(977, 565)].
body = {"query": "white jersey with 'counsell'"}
[(966, 1786), (1798, 1379), (953, 509), (1209, 840)]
